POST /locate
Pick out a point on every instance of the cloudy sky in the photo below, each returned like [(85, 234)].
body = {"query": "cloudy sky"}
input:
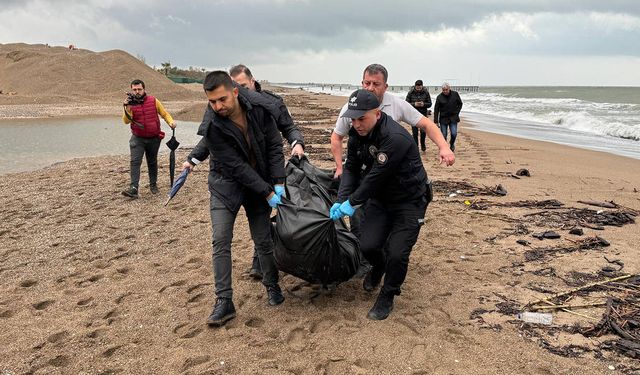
[(517, 42)]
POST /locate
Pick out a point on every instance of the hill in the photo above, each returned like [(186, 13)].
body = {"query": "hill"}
[(42, 74)]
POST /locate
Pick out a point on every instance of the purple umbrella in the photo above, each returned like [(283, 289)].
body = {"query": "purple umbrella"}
[(178, 184)]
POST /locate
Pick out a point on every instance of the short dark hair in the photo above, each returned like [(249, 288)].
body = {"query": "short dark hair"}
[(137, 82), (235, 70), (375, 69), (216, 79)]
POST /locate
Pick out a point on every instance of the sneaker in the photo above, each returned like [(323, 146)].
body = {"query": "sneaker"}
[(372, 280), (274, 294), (223, 311), (131, 192), (256, 271), (154, 189), (382, 308)]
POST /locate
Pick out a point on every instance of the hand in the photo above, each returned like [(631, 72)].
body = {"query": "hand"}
[(298, 151), (274, 200), (334, 210), (187, 165), (447, 156), (279, 190), (338, 173), (345, 209), (172, 125)]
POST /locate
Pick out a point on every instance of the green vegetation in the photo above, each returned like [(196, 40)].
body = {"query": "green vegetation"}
[(195, 74)]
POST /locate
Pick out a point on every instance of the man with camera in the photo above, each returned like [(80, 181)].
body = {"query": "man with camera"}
[(141, 112)]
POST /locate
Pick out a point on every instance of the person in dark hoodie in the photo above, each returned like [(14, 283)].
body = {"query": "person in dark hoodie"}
[(395, 188), (246, 169), (446, 113), (420, 99)]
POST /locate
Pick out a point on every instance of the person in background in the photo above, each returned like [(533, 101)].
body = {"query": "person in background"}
[(396, 191), (420, 99), (246, 169), (141, 113), (446, 113)]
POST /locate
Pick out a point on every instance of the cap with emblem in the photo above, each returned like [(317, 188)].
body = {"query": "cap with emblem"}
[(360, 102)]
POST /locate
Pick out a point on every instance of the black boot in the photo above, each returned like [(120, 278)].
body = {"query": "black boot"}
[(131, 192), (372, 279), (274, 295), (223, 311), (153, 188), (256, 270), (382, 308)]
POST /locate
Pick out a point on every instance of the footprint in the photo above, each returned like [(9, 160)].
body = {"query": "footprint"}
[(198, 297), (57, 336), (175, 283), (296, 339), (59, 361), (6, 314), (42, 305), (254, 322), (85, 302), (195, 361), (28, 283), (111, 351)]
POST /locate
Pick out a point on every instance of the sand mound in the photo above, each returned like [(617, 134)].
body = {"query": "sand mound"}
[(58, 74)]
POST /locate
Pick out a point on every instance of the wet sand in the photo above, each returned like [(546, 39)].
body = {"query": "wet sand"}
[(91, 282)]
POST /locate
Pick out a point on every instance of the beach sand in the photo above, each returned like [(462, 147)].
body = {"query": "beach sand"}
[(94, 283)]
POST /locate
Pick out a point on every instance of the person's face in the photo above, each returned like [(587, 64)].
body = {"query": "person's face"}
[(223, 101), (137, 90), (446, 90), (366, 122), (419, 87), (374, 83), (245, 81)]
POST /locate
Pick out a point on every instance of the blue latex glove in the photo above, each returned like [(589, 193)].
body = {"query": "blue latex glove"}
[(347, 209), (279, 190), (335, 211), (274, 201)]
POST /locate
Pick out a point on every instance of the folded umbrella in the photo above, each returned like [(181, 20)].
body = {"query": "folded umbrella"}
[(173, 145), (179, 182)]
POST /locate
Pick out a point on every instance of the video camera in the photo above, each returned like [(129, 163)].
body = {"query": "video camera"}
[(132, 99)]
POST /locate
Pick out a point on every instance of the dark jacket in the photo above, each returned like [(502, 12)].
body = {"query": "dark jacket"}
[(447, 108), (393, 170), (231, 174), (420, 96)]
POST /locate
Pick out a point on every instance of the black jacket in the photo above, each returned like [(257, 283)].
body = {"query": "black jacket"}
[(447, 108), (393, 170), (230, 173), (420, 96)]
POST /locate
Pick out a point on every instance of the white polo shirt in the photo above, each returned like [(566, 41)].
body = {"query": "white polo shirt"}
[(394, 106)]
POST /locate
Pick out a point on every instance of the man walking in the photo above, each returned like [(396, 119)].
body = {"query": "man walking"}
[(396, 190), (141, 112), (246, 166), (420, 99), (446, 113)]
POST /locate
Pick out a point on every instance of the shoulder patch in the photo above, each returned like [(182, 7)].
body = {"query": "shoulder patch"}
[(382, 158)]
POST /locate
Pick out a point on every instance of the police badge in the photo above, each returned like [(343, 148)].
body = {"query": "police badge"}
[(382, 158)]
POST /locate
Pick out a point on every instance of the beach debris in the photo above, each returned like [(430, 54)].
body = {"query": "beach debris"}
[(576, 231), (609, 204), (584, 217), (536, 318), (547, 234), (588, 243), (523, 242), (499, 190), (466, 189), (523, 172)]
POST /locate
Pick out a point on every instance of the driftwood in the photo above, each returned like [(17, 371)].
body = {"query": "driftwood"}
[(557, 295), (600, 204)]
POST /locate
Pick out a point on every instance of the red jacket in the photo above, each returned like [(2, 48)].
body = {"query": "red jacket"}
[(146, 114)]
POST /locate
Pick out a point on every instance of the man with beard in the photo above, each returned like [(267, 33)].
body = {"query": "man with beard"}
[(141, 112)]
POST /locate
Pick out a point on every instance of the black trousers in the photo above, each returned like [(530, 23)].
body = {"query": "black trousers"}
[(388, 236), (423, 136)]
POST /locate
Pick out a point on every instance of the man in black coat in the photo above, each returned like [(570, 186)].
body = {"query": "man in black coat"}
[(446, 113), (396, 189), (420, 99), (246, 169)]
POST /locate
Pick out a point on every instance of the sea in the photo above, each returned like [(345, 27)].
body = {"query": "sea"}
[(597, 118)]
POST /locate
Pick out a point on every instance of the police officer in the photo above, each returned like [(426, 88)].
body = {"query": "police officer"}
[(396, 190)]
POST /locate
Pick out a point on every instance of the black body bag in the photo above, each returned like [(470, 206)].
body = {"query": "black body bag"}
[(308, 244)]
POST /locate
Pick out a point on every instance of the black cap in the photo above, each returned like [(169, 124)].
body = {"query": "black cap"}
[(419, 82), (360, 102)]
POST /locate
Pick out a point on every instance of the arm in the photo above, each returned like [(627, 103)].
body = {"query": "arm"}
[(336, 151), (435, 135), (436, 112), (275, 157), (165, 115), (290, 131), (127, 111), (351, 176), (428, 102), (197, 155), (458, 104)]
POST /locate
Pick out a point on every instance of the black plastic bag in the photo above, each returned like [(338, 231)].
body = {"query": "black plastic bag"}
[(308, 244)]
